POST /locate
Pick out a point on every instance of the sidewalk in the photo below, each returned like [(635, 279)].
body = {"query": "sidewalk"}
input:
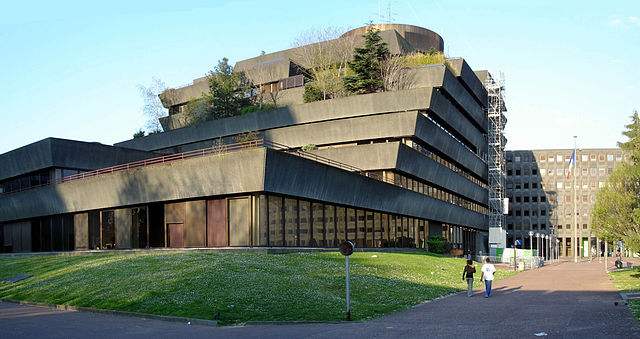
[(568, 300)]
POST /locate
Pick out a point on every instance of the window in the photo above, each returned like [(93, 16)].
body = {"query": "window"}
[(534, 185), (518, 213), (585, 198), (551, 158), (559, 184), (526, 199), (567, 158), (600, 184), (518, 199), (517, 158), (592, 157), (559, 227), (518, 172), (559, 171), (584, 226), (543, 158), (543, 212), (567, 198), (559, 158), (585, 157), (551, 171), (534, 226), (601, 157), (543, 199), (509, 226), (593, 171), (592, 184), (518, 186), (602, 171), (543, 226), (585, 171), (618, 157), (534, 171), (526, 213), (534, 199), (526, 185), (609, 157), (509, 172), (567, 226)]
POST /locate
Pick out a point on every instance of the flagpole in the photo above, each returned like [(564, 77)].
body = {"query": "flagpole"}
[(575, 203)]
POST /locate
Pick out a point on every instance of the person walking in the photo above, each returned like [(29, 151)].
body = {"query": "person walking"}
[(486, 275), (467, 274)]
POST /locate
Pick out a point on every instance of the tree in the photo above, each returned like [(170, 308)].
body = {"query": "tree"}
[(367, 65), (632, 145), (396, 75), (152, 107), (230, 91), (616, 212), (139, 134), (325, 55)]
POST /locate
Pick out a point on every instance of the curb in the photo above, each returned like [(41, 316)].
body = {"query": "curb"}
[(191, 321)]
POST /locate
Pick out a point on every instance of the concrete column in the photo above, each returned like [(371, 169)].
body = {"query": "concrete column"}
[(123, 228), (81, 230)]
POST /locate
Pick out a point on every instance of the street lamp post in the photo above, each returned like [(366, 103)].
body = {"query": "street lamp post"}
[(557, 249), (531, 241), (548, 247)]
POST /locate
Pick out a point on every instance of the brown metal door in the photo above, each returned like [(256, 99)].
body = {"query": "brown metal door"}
[(175, 232), (217, 235)]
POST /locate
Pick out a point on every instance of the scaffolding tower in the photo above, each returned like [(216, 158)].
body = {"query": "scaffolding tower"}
[(496, 158)]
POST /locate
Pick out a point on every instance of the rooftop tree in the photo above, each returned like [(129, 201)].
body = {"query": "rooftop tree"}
[(367, 65)]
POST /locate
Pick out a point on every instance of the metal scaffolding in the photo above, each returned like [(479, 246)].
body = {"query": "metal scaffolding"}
[(496, 158)]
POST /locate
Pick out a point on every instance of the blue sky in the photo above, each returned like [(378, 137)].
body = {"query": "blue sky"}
[(70, 69)]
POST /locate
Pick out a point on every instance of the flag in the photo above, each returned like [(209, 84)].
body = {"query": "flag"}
[(572, 164)]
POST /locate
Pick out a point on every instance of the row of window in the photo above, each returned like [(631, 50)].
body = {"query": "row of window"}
[(444, 162), (558, 185), (426, 189), (594, 171), (558, 158), (298, 222), (568, 226), (584, 198), (531, 227)]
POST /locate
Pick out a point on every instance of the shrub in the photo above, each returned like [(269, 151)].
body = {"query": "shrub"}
[(309, 147), (138, 134), (311, 93), (437, 244)]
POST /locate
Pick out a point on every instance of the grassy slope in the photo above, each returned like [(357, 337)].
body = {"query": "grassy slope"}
[(240, 286), (628, 281)]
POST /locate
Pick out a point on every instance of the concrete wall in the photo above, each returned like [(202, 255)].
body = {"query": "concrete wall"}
[(394, 155), (291, 175), (231, 173), (123, 221), (240, 221), (352, 106), (463, 71), (195, 223), (54, 152), (81, 229)]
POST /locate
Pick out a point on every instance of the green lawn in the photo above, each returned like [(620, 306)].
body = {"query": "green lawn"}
[(628, 281), (239, 286)]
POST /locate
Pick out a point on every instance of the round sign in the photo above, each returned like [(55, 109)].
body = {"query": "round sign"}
[(346, 248)]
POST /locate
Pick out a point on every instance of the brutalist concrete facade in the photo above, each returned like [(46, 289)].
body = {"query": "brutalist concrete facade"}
[(384, 169), (541, 194)]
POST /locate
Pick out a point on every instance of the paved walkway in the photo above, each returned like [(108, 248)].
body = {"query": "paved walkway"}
[(566, 300)]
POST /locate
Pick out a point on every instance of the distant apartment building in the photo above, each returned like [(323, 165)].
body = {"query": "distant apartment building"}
[(540, 189), (384, 169)]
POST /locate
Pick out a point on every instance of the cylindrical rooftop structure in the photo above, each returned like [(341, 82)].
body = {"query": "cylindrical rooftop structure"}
[(419, 37)]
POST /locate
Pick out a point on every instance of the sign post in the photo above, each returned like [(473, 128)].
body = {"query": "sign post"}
[(346, 249)]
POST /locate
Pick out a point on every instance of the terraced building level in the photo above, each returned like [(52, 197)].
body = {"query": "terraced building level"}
[(385, 169)]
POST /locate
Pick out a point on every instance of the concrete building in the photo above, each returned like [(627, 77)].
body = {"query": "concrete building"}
[(385, 169), (541, 195)]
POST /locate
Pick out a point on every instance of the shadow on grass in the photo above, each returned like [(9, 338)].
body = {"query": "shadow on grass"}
[(235, 287)]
